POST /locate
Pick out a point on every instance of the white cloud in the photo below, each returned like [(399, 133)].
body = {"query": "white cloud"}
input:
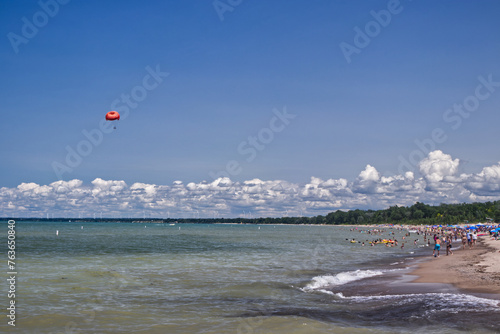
[(437, 182), (438, 165), (370, 174), (487, 182), (368, 181), (27, 187)]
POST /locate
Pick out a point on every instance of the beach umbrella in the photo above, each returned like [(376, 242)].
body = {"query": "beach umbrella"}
[(471, 228)]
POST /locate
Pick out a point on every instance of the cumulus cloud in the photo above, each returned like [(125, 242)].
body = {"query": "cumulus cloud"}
[(437, 166), (370, 174), (487, 182), (438, 181), (368, 181)]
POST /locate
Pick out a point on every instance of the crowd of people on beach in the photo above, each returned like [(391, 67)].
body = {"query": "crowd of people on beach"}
[(442, 236), (466, 234)]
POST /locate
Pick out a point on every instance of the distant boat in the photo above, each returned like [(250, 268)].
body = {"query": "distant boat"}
[(172, 224)]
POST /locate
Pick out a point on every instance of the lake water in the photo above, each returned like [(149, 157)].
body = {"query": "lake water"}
[(215, 278)]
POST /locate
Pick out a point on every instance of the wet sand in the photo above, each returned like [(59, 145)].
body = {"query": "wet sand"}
[(473, 270)]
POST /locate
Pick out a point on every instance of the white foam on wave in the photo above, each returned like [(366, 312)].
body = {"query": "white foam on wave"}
[(448, 301), (320, 282), (327, 292)]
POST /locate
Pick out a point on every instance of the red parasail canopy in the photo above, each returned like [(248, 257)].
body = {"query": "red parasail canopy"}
[(112, 116)]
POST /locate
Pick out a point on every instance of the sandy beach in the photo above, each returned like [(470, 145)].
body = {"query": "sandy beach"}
[(473, 270)]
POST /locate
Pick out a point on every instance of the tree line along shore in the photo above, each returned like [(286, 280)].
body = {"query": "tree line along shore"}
[(417, 214)]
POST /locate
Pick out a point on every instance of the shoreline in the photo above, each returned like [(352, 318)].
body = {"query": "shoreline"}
[(475, 270)]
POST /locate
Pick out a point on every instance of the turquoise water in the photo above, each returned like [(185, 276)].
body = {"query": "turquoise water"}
[(200, 278)]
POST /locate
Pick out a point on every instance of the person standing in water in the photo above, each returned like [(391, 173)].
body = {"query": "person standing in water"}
[(437, 247), (448, 245)]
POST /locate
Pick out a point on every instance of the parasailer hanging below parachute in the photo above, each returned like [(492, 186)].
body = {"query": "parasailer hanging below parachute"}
[(113, 116)]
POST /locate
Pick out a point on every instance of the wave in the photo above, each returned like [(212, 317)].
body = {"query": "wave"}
[(448, 302), (320, 282)]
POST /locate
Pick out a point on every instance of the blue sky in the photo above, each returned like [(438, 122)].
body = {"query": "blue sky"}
[(233, 66)]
